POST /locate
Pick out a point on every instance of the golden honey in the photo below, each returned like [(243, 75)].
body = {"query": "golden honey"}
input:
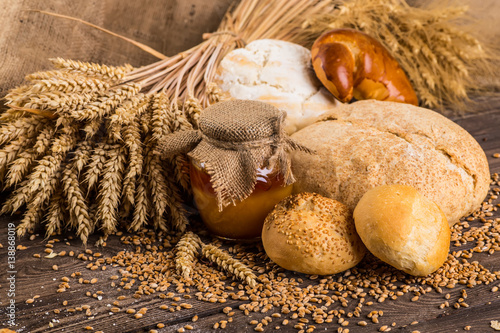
[(243, 220)]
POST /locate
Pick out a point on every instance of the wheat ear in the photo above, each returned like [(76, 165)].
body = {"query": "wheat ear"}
[(110, 189), (186, 250), (230, 264), (76, 201), (142, 205)]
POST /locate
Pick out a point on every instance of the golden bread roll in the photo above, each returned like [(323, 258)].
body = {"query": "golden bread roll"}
[(403, 228), (312, 234), (278, 73), (351, 64), (371, 143)]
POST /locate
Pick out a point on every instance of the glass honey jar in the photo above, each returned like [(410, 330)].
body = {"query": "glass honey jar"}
[(239, 165)]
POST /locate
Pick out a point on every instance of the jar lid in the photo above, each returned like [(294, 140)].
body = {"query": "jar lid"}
[(240, 120), (235, 138)]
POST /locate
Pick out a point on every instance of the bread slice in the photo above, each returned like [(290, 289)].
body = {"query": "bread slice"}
[(370, 143)]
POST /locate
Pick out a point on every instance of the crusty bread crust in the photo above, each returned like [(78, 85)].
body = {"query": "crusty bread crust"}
[(371, 143)]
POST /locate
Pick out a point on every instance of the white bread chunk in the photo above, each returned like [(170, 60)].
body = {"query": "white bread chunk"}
[(279, 73)]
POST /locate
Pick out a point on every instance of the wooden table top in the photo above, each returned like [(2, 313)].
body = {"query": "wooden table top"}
[(36, 277), (40, 308)]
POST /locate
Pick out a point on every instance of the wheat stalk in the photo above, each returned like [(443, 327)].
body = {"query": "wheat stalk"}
[(178, 214), (92, 128), (95, 166), (162, 116), (10, 152), (106, 102), (142, 205), (71, 84), (20, 127), (125, 114), (48, 75), (157, 186), (76, 201), (193, 110), (113, 74), (11, 115), (82, 155), (55, 213), (110, 188), (230, 264), (41, 178), (132, 139), (189, 73), (20, 166), (37, 204), (30, 219)]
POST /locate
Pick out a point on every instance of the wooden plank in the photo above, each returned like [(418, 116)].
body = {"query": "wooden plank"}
[(485, 128)]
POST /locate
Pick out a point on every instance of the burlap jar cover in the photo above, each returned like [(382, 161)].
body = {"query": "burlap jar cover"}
[(234, 139)]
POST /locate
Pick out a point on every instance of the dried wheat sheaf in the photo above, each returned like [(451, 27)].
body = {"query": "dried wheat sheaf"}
[(77, 144), (78, 151)]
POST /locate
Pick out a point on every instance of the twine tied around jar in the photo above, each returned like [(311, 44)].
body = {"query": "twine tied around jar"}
[(235, 138)]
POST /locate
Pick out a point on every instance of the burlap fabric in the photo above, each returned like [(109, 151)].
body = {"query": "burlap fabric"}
[(234, 139), (28, 38)]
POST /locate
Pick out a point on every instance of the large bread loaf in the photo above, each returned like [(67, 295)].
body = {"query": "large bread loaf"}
[(369, 143)]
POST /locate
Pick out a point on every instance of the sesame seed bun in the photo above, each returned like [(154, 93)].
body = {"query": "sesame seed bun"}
[(403, 228), (312, 234)]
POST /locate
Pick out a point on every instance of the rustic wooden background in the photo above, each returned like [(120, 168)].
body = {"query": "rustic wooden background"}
[(28, 39)]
